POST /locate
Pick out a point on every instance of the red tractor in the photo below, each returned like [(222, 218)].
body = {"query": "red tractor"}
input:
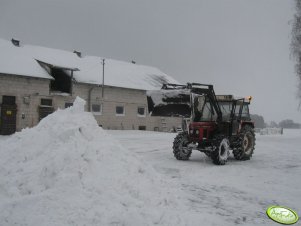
[(218, 123)]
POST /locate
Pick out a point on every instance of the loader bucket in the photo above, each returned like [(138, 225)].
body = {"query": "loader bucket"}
[(168, 103)]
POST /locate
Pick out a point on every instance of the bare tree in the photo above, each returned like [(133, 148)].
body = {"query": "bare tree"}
[(296, 43)]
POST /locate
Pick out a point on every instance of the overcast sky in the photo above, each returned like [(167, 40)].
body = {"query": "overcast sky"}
[(239, 46)]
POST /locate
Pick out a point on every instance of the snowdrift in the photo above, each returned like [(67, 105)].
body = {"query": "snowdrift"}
[(69, 171)]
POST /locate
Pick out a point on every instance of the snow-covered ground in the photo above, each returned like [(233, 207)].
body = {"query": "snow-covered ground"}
[(237, 193), (68, 171)]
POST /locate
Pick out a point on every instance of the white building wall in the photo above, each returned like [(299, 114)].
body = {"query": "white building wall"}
[(35, 89), (28, 92)]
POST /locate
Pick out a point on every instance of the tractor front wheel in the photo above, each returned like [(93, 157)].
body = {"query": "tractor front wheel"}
[(180, 147), (246, 146), (221, 150)]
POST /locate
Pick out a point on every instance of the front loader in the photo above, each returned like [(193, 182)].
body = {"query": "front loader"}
[(219, 123)]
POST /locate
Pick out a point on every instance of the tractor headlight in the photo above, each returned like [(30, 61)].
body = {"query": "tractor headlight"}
[(197, 132)]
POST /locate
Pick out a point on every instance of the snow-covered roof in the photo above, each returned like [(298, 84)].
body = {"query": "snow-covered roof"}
[(22, 60)]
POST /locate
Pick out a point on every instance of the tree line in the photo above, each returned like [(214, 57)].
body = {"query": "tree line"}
[(286, 123)]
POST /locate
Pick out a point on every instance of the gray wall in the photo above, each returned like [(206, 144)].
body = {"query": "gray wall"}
[(34, 89), (24, 87)]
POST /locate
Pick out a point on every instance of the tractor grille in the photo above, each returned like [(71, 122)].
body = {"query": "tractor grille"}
[(198, 134)]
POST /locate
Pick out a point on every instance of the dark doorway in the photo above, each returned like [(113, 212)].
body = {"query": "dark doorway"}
[(142, 128), (8, 115), (45, 108), (44, 111)]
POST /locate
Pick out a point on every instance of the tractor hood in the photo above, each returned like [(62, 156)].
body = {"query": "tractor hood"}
[(169, 103)]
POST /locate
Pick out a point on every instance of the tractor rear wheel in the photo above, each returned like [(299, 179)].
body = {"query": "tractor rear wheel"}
[(221, 150), (180, 146), (246, 146)]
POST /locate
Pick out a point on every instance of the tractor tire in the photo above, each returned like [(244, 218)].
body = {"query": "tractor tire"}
[(180, 147), (221, 150), (246, 146)]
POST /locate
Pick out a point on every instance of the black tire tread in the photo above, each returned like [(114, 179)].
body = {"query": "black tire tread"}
[(215, 153), (238, 152), (176, 147)]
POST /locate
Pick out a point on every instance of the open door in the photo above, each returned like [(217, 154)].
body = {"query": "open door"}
[(8, 115)]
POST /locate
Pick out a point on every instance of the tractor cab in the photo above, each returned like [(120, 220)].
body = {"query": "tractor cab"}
[(203, 119)]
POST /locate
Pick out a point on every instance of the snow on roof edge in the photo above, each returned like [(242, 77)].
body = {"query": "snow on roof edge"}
[(26, 75)]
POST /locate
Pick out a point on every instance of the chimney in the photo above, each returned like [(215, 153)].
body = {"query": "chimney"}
[(15, 42), (79, 54)]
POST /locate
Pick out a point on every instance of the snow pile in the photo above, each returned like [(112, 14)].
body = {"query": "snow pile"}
[(68, 171), (271, 131)]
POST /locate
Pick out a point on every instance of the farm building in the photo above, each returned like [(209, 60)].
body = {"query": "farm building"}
[(35, 81)]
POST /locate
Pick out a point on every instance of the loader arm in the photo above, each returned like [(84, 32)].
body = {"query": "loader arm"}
[(210, 94), (174, 99)]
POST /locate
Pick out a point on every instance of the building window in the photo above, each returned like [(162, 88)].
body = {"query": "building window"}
[(67, 104), (120, 110), (46, 102), (142, 128), (96, 109), (141, 111)]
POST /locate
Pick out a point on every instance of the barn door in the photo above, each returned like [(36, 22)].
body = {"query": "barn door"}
[(45, 108), (8, 117), (44, 111)]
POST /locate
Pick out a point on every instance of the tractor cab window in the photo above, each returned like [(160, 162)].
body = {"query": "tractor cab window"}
[(226, 108), (237, 109), (202, 109), (245, 111)]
